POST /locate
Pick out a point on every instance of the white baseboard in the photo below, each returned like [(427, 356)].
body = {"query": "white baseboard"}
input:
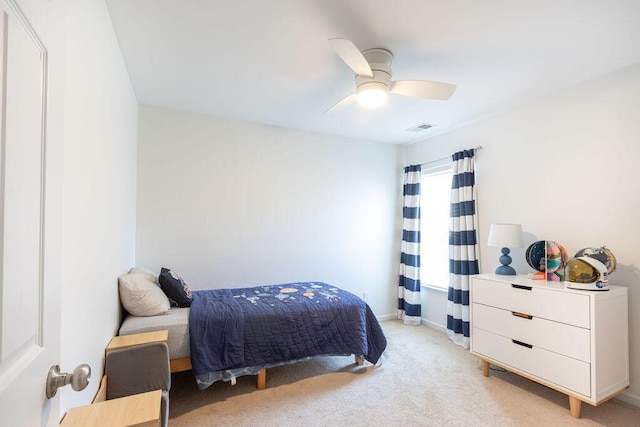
[(629, 398), (423, 321), (434, 325), (386, 317)]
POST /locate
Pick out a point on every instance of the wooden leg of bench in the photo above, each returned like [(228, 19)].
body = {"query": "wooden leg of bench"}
[(101, 395), (574, 406), (262, 379), (359, 360)]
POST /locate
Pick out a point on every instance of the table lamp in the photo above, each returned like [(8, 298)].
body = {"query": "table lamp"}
[(506, 236)]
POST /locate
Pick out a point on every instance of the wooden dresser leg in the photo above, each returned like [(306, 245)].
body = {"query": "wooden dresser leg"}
[(262, 379), (485, 368), (574, 406)]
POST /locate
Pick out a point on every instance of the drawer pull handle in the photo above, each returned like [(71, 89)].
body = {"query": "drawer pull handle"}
[(524, 344), (526, 288), (524, 316)]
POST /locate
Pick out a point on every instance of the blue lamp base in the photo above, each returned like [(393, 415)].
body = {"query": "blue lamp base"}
[(505, 269)]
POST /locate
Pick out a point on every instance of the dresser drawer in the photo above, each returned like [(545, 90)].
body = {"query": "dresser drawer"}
[(551, 304), (558, 337), (560, 370)]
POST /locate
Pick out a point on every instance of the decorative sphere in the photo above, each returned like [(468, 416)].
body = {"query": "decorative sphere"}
[(602, 254), (505, 259), (546, 256)]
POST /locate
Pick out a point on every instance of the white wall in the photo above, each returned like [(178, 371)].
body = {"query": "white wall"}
[(564, 167), (232, 204), (99, 181)]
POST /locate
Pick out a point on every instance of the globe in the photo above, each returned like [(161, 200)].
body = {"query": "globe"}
[(602, 254), (546, 256)]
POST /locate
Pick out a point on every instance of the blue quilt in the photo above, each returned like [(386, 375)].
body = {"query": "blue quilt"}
[(236, 329)]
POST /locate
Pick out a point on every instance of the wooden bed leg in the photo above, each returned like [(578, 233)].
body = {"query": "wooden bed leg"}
[(359, 360), (262, 379)]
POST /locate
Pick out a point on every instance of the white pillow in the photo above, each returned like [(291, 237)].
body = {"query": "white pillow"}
[(141, 296), (142, 270)]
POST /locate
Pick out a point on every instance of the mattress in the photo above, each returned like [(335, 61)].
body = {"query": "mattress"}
[(177, 323)]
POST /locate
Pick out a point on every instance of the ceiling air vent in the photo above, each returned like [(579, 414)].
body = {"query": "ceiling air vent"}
[(421, 127)]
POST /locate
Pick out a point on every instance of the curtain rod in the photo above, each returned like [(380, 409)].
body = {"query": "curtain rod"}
[(479, 147)]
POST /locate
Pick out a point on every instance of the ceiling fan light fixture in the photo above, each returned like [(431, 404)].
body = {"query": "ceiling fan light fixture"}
[(372, 68), (373, 94)]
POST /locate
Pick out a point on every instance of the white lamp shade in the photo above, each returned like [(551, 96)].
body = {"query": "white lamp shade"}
[(506, 236), (372, 94)]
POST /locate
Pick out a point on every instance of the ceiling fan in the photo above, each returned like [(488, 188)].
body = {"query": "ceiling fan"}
[(373, 78)]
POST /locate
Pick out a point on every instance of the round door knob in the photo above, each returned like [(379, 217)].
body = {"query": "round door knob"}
[(79, 379)]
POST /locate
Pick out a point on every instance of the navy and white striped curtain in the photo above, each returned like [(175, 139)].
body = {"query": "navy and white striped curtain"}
[(409, 287), (463, 246)]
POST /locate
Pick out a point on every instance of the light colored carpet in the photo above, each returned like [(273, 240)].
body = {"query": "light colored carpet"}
[(425, 380)]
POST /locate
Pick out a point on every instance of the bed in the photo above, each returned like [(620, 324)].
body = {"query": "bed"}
[(227, 333)]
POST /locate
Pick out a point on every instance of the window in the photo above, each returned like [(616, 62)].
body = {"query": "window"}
[(435, 199)]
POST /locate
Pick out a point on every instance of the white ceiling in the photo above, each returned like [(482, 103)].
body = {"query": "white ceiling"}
[(270, 61)]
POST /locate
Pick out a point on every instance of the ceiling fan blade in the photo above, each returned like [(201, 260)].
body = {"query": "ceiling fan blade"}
[(342, 104), (351, 56), (423, 89)]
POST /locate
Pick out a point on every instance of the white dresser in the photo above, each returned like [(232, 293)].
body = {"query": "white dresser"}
[(576, 342)]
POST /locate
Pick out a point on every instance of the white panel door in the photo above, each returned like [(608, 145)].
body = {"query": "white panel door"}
[(29, 290)]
